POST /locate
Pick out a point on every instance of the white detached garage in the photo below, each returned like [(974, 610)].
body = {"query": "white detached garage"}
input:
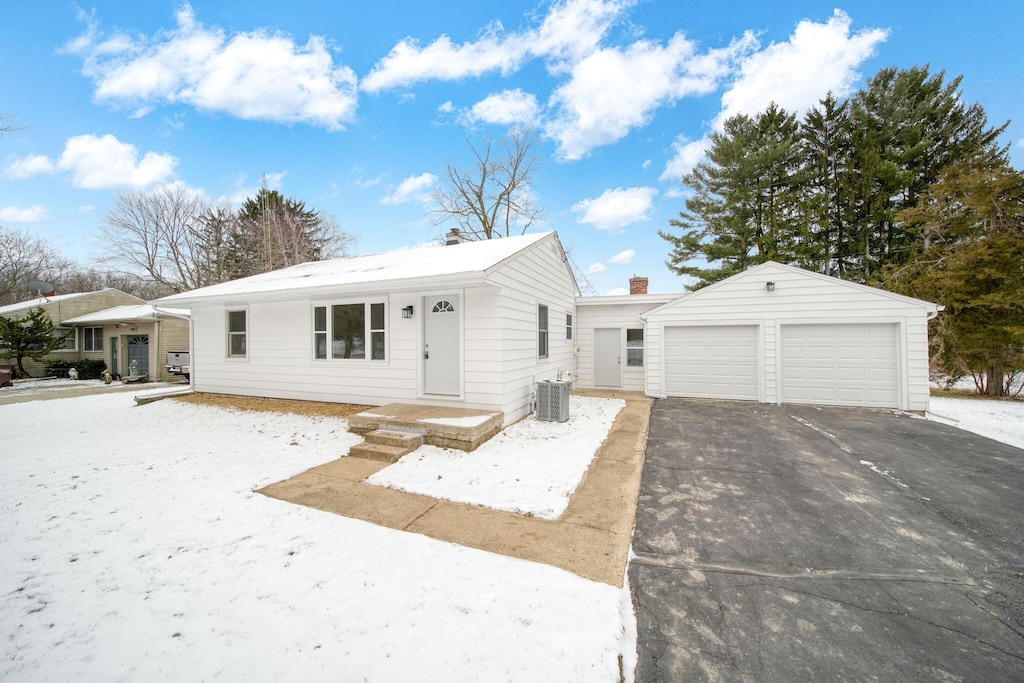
[(779, 334)]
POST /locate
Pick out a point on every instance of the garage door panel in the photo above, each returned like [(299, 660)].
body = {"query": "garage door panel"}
[(712, 361), (841, 364)]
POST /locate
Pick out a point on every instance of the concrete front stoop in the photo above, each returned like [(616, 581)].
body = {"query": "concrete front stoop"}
[(387, 445), (442, 426)]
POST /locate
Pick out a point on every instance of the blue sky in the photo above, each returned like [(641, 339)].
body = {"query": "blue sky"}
[(356, 107)]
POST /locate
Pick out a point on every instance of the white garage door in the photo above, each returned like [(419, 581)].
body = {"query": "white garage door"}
[(846, 365), (713, 361)]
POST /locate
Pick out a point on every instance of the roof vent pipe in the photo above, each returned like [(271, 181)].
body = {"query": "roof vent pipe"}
[(453, 237)]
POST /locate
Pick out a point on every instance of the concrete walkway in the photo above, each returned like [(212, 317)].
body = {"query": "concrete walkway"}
[(590, 539)]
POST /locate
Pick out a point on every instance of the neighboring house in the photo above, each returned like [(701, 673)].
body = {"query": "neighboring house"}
[(140, 333), (473, 323), (62, 307), (476, 324), (773, 333)]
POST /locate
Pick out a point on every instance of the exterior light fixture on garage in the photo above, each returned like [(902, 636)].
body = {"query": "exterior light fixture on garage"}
[(770, 286), (407, 312)]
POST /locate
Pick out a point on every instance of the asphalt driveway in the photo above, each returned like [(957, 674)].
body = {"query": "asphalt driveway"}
[(797, 543)]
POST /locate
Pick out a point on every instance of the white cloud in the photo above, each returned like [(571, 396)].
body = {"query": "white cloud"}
[(686, 154), (447, 107), (595, 268), (569, 31), (817, 58), (615, 209), (414, 188), (646, 164), (613, 91), (250, 75), (104, 162), (508, 107), (618, 291), (1020, 143), (30, 214), (626, 256), (29, 166)]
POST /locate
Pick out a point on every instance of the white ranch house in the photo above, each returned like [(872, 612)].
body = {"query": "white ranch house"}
[(477, 324)]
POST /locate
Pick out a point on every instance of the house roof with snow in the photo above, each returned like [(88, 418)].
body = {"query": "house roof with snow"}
[(44, 300), (406, 267), (127, 314)]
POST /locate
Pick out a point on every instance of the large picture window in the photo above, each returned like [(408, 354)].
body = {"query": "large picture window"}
[(341, 331), (237, 334), (92, 338), (542, 331)]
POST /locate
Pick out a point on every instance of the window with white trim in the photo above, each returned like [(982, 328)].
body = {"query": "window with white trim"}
[(568, 326), (237, 334), (92, 338), (341, 331), (542, 331), (70, 341), (634, 348)]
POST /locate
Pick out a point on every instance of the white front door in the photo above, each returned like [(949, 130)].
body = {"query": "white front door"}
[(607, 357), (441, 345)]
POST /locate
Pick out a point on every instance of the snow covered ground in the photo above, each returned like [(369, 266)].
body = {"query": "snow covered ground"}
[(134, 549), (53, 387), (999, 420), (531, 467)]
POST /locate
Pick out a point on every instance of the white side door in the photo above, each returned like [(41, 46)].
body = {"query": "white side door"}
[(608, 357)]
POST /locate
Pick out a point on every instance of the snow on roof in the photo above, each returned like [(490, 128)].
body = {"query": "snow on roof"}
[(40, 301), (423, 261), (126, 314)]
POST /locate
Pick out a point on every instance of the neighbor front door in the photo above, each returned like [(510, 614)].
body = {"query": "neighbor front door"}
[(441, 345), (607, 357), (138, 352)]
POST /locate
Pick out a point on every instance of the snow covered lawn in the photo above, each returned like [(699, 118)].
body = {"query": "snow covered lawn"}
[(999, 420), (532, 467), (134, 549)]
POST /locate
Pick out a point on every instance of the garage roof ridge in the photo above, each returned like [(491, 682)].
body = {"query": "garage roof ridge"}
[(767, 265)]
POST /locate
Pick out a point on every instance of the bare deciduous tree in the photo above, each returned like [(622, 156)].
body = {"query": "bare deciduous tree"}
[(175, 238), (492, 198), (159, 233), (24, 257)]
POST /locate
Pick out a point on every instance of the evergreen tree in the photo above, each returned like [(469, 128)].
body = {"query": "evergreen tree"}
[(272, 231), (31, 337), (744, 207), (829, 235), (971, 223), (908, 126)]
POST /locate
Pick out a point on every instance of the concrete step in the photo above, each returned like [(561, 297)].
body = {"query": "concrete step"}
[(378, 451), (390, 437)]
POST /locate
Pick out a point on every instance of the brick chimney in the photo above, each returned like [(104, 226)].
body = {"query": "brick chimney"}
[(637, 285)]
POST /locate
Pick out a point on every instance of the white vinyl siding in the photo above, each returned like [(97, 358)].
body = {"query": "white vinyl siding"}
[(498, 337), (799, 298), (712, 361), (841, 364), (622, 316), (537, 275)]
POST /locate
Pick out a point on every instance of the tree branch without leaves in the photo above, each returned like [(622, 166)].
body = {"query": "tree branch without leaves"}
[(492, 198)]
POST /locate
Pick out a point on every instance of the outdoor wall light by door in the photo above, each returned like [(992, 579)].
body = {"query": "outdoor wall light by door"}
[(407, 312), (770, 286)]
